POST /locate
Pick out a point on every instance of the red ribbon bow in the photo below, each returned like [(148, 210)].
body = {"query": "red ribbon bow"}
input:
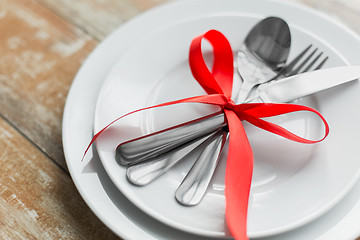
[(218, 84), (239, 164)]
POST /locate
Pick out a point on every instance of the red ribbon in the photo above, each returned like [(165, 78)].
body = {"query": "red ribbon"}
[(218, 84), (240, 157)]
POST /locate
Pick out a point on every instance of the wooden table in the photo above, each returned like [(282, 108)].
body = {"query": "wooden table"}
[(42, 45)]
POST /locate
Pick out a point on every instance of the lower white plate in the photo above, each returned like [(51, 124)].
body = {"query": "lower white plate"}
[(90, 179)]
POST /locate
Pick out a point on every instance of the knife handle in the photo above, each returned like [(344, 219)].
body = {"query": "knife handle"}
[(155, 144)]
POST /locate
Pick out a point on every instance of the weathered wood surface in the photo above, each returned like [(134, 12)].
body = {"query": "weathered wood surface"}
[(38, 199), (99, 18), (42, 45), (40, 54)]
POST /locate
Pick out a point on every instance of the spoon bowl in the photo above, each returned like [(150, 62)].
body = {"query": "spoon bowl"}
[(263, 54), (269, 41)]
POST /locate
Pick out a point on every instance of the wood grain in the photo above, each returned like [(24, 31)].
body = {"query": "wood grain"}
[(40, 55), (37, 199), (99, 18)]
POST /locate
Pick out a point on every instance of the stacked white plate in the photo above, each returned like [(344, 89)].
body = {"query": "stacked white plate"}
[(298, 191)]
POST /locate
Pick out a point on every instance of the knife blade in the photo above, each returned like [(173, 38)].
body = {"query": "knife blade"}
[(278, 91), (301, 85)]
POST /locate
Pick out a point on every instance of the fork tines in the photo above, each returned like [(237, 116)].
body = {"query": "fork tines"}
[(296, 66)]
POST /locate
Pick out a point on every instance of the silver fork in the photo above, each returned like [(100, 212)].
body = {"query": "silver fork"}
[(296, 67), (194, 186)]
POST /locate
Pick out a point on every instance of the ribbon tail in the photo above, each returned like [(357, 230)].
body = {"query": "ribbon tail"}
[(239, 169), (214, 99)]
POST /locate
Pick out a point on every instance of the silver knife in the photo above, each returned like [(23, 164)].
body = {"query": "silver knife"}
[(301, 85), (161, 142), (279, 91)]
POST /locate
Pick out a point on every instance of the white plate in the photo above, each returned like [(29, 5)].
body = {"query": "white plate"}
[(94, 185), (291, 180)]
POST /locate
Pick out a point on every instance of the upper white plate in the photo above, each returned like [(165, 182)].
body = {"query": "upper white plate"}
[(291, 181), (91, 179)]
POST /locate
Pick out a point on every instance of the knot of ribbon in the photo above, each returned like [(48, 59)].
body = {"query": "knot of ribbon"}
[(218, 85), (230, 105)]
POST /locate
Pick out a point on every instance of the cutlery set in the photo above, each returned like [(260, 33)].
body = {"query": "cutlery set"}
[(261, 63)]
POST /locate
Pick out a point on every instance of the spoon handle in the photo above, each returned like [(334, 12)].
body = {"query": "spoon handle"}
[(252, 71), (194, 186)]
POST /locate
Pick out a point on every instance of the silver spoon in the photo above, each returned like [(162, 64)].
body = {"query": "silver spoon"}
[(264, 53), (152, 166)]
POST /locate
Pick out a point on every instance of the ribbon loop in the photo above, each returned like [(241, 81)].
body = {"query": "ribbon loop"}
[(220, 79)]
